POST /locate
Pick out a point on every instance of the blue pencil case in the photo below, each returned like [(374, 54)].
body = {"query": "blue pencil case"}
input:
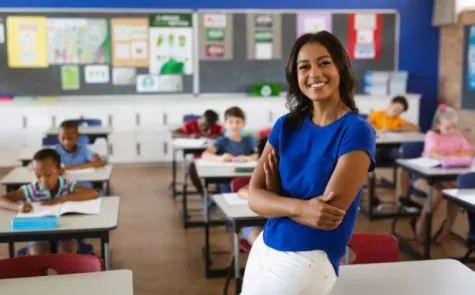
[(27, 223)]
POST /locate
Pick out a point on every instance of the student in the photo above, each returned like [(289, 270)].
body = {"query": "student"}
[(442, 141), (73, 155), (250, 233), (324, 151), (207, 127), (50, 189), (390, 120)]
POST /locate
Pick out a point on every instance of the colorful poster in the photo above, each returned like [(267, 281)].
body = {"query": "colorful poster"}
[(214, 20), (78, 41), (313, 22), (263, 41), (263, 21), (129, 42), (213, 35), (170, 83), (70, 77), (215, 50), (26, 42), (96, 74), (171, 44), (147, 83), (471, 60), (2, 33), (364, 36), (124, 76)]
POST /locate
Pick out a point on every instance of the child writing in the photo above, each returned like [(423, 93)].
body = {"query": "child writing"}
[(443, 140), (250, 233), (390, 120), (50, 189), (207, 127), (73, 155)]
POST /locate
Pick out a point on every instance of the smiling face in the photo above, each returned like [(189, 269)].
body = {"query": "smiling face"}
[(317, 74)]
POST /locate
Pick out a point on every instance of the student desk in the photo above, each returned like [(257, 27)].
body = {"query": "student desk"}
[(24, 175), (73, 226), (393, 141), (217, 173), (427, 277), (26, 154), (431, 175), (240, 216), (117, 282)]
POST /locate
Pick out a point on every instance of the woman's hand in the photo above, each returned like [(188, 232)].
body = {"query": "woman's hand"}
[(316, 213), (271, 169)]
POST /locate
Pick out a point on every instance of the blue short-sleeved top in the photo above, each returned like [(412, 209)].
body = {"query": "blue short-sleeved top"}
[(34, 192), (81, 155), (307, 159), (247, 146)]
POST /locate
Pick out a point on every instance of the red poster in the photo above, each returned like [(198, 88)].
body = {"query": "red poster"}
[(364, 36)]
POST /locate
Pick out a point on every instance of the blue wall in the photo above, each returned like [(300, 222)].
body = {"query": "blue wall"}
[(419, 41)]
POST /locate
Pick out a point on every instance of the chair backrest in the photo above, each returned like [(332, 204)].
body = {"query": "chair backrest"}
[(83, 139), (263, 133), (190, 117), (89, 122), (373, 248), (466, 180), (410, 150), (238, 183), (32, 265), (50, 140)]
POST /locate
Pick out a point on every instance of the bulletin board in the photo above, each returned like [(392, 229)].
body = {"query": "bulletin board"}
[(96, 52), (239, 48)]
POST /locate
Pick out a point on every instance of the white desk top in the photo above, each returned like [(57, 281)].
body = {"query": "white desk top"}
[(27, 153), (90, 130), (402, 137), (437, 171), (117, 282), (22, 175), (430, 277), (191, 143), (209, 169), (236, 210), (107, 219), (466, 195)]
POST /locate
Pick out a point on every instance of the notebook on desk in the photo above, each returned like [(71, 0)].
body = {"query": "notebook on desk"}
[(80, 171)]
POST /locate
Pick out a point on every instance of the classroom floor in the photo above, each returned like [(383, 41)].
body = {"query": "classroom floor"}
[(165, 258)]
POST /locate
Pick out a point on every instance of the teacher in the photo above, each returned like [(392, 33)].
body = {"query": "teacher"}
[(309, 179)]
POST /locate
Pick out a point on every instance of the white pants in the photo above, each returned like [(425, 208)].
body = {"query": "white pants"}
[(269, 271)]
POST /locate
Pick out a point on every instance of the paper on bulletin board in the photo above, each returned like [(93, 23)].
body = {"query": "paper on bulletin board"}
[(214, 20), (124, 76), (170, 83), (471, 60), (364, 36), (78, 40), (26, 42), (171, 44), (313, 23), (130, 42), (70, 77), (96, 74), (2, 33), (147, 83)]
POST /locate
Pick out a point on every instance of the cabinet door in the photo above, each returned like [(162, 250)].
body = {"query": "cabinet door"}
[(37, 119), (61, 113), (12, 121), (149, 116), (150, 147), (123, 118), (122, 148)]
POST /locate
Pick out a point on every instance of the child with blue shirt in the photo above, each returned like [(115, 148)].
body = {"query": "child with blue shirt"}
[(50, 189), (75, 156)]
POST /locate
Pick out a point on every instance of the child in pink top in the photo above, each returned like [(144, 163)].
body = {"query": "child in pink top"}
[(442, 141)]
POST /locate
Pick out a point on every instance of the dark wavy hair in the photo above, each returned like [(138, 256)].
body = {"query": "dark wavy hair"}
[(301, 106)]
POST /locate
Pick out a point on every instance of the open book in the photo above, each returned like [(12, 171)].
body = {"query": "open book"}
[(80, 171), (83, 207)]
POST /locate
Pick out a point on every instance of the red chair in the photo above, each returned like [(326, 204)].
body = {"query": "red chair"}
[(373, 248), (263, 133), (244, 246), (32, 265)]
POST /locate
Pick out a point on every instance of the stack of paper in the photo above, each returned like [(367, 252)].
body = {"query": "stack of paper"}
[(233, 199), (80, 171), (424, 162), (206, 163)]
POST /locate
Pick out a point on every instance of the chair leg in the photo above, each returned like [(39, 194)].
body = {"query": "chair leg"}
[(470, 250), (393, 225), (228, 278)]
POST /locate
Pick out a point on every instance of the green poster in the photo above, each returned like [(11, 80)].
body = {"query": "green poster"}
[(171, 20), (70, 77), (214, 35), (263, 36)]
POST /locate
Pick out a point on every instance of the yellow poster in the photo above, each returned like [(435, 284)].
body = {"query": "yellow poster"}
[(26, 40), (130, 42)]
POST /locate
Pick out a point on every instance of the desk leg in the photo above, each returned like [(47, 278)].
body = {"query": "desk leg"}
[(105, 252), (428, 238), (108, 188), (11, 249), (237, 268), (185, 193), (206, 221), (174, 173)]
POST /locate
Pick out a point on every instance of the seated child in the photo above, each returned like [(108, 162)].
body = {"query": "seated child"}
[(250, 233), (443, 140), (73, 155), (50, 189), (206, 126), (389, 120)]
